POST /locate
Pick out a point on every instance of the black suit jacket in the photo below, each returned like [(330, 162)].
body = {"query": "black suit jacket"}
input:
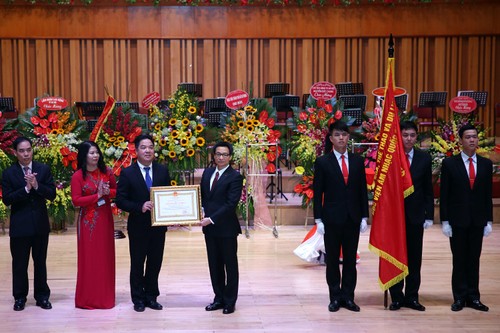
[(220, 203), (459, 204), (334, 200), (28, 214), (132, 192), (419, 206)]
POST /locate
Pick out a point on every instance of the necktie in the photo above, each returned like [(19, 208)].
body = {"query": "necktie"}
[(408, 158), (26, 170), (345, 172), (215, 180), (149, 181), (472, 173)]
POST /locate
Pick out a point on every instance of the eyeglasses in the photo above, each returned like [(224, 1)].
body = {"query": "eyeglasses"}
[(222, 155)]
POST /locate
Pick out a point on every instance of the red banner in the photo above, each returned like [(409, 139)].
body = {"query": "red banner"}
[(392, 184), (110, 103)]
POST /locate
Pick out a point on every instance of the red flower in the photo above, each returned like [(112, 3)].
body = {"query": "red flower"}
[(309, 193), (329, 108), (271, 156), (271, 168), (53, 117), (40, 130), (263, 116), (42, 112), (298, 188), (320, 103), (270, 122), (302, 128), (338, 115), (44, 123), (313, 118), (35, 120), (303, 116)]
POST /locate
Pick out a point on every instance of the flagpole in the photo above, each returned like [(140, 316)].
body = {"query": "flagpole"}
[(391, 55)]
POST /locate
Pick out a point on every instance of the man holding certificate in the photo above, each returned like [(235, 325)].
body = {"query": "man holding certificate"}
[(220, 193), (146, 242)]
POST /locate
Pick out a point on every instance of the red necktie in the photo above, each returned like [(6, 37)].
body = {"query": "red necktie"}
[(408, 158), (215, 180), (345, 172), (472, 173)]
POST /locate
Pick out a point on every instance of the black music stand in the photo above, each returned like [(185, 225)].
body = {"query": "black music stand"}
[(279, 188), (7, 107), (283, 105), (276, 89), (131, 105), (354, 106), (215, 110), (91, 109), (192, 88), (401, 102), (479, 96), (349, 88), (433, 100)]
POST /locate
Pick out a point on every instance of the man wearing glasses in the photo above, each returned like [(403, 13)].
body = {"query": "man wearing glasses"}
[(220, 193)]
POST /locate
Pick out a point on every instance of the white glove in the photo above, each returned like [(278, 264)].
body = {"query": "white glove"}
[(320, 226), (487, 229), (364, 225), (447, 229), (428, 224)]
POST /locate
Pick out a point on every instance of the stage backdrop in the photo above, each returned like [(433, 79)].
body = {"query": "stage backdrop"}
[(76, 51)]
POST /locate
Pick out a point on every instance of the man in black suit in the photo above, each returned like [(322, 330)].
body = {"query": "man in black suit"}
[(466, 211), (27, 185), (220, 193), (146, 242), (419, 214), (340, 212)]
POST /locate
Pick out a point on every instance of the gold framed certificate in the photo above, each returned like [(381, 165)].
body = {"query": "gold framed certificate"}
[(176, 205)]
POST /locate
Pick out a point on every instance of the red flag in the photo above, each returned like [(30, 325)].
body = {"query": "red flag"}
[(392, 184), (110, 104)]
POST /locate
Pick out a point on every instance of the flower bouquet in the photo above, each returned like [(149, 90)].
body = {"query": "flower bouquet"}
[(177, 131)]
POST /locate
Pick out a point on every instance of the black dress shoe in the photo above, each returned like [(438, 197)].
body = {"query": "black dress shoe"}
[(154, 305), (458, 305), (477, 305), (44, 304), (334, 306), (139, 307), (395, 306), (228, 309), (350, 305), (415, 305), (214, 306), (19, 304)]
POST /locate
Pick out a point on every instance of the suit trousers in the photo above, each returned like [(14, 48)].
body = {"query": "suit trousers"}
[(466, 245), (145, 249), (20, 248), (223, 266), (414, 245)]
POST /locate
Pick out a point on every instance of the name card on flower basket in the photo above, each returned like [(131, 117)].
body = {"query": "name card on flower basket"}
[(237, 99), (150, 99), (176, 205), (323, 90), (52, 103), (463, 104)]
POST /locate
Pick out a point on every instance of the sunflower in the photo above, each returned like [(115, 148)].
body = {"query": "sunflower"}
[(185, 122), (251, 117), (171, 105), (250, 128), (189, 134), (184, 142), (172, 154), (240, 113), (162, 142), (112, 139), (192, 109), (199, 128), (249, 108), (109, 144), (256, 122), (173, 182), (172, 121), (116, 144), (241, 124), (157, 126), (175, 134), (120, 139), (200, 142), (190, 152), (249, 122), (54, 131)]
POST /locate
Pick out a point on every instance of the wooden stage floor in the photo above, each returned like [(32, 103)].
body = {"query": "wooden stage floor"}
[(278, 291)]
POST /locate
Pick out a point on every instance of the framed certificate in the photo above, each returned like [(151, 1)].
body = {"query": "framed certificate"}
[(176, 205)]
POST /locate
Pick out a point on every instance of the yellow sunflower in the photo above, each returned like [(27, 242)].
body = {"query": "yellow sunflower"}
[(249, 108), (172, 121), (171, 105), (120, 139), (116, 143), (240, 113), (184, 142), (175, 134), (250, 128), (112, 139), (163, 142), (173, 182), (185, 122), (190, 152), (256, 123), (199, 128), (109, 144), (172, 154), (241, 124), (192, 109), (54, 131), (251, 117), (200, 142), (157, 126), (189, 134)]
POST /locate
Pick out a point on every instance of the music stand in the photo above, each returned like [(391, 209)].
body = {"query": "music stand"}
[(215, 109), (192, 88), (91, 124), (349, 88), (91, 109), (7, 107), (401, 102), (433, 100), (132, 105), (479, 96), (354, 106), (305, 98), (283, 105), (276, 89)]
